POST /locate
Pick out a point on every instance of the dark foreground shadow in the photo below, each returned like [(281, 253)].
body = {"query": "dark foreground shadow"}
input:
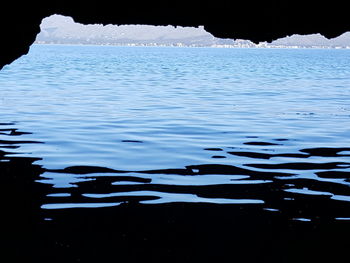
[(167, 231)]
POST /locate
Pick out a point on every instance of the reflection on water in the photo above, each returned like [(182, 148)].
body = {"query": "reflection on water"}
[(271, 185), (280, 196), (301, 176)]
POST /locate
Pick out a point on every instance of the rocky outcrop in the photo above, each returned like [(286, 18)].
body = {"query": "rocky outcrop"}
[(266, 21)]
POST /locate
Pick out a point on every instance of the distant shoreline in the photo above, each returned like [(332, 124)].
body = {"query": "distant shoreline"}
[(186, 46), (63, 30)]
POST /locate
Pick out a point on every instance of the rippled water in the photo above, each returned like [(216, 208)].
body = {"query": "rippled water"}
[(115, 126)]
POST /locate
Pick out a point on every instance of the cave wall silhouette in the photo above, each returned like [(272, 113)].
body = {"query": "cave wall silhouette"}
[(263, 21)]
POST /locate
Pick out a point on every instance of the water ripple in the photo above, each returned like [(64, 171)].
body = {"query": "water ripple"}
[(266, 183)]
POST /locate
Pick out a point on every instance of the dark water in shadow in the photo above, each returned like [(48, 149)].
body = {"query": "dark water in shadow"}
[(256, 213)]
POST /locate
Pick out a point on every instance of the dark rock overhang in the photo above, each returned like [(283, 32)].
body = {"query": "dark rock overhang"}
[(263, 21)]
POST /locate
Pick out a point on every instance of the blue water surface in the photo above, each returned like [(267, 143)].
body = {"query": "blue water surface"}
[(138, 109)]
